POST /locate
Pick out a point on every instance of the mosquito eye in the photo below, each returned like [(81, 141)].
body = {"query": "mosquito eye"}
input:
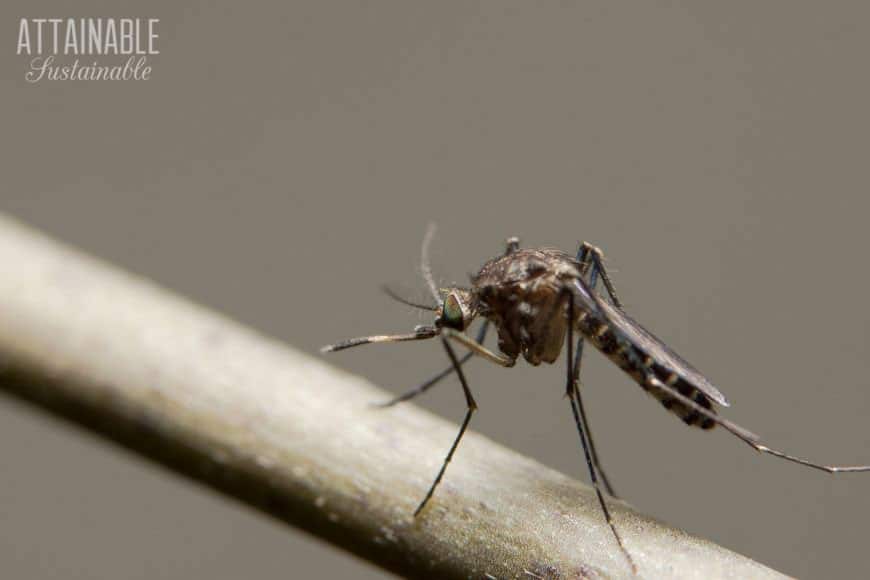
[(452, 312)]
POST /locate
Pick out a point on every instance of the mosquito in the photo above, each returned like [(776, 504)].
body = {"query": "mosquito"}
[(537, 300)]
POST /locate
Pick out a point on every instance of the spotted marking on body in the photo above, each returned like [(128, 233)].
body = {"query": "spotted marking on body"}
[(642, 368)]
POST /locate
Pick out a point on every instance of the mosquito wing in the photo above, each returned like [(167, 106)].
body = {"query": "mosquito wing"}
[(647, 342)]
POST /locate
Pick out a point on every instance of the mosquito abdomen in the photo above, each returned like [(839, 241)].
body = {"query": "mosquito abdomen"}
[(640, 366)]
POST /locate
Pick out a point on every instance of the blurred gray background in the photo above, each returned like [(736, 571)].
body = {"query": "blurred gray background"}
[(284, 160)]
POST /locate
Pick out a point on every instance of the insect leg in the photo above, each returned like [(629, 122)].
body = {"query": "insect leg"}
[(747, 436), (471, 408), (432, 381), (576, 386), (584, 257), (591, 259), (582, 430), (477, 348)]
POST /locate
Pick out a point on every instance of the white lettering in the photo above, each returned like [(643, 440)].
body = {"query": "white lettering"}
[(23, 37)]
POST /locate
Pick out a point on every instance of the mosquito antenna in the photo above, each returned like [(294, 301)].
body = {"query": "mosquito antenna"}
[(420, 333), (425, 267), (392, 294)]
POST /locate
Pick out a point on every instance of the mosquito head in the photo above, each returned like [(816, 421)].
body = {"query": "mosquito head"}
[(457, 309)]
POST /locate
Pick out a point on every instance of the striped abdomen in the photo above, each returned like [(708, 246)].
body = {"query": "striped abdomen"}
[(641, 367)]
